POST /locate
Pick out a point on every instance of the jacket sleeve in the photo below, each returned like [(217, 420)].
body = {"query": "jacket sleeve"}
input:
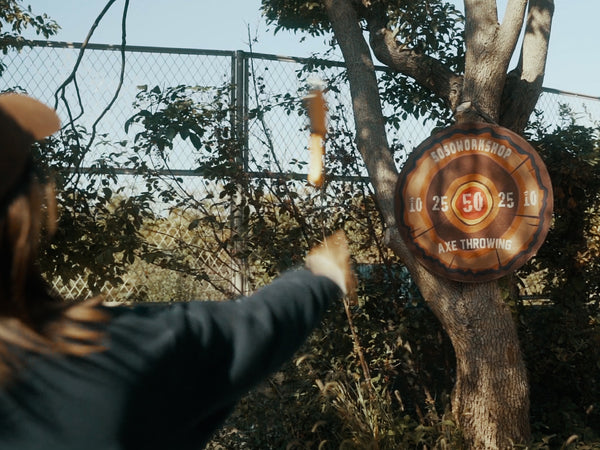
[(255, 335), (204, 356)]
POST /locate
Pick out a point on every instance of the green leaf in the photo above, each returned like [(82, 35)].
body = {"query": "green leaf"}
[(196, 141)]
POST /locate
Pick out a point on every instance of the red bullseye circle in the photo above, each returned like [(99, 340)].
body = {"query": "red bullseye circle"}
[(472, 203)]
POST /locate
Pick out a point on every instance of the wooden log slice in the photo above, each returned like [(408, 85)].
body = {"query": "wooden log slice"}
[(474, 202)]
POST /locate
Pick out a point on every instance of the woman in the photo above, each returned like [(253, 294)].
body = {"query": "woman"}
[(164, 376)]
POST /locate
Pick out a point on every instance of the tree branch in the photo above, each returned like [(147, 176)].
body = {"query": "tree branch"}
[(425, 70), (510, 29), (481, 26), (368, 116), (524, 84), (60, 92), (121, 76), (513, 19), (489, 47)]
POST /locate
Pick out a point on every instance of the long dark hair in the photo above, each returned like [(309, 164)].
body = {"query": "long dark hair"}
[(33, 316)]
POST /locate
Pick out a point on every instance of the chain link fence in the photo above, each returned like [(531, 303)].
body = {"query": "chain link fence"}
[(98, 88)]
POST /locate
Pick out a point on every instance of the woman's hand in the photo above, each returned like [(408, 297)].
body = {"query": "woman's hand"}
[(332, 259)]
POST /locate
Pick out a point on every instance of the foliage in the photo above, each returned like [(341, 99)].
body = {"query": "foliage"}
[(96, 216), (429, 27), (405, 98), (560, 336), (14, 19), (309, 16)]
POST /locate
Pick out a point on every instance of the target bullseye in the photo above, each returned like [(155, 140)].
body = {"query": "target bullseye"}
[(474, 202)]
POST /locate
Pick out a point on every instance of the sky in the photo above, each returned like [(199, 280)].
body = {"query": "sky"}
[(573, 64)]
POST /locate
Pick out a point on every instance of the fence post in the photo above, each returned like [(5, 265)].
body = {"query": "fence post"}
[(240, 126)]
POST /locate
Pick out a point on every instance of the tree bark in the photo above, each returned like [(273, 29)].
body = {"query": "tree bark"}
[(490, 400), (425, 70), (369, 121), (489, 46), (524, 84)]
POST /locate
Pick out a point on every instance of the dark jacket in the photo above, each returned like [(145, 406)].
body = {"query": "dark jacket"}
[(170, 375)]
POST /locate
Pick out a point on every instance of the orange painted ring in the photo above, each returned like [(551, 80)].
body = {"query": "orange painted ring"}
[(474, 202)]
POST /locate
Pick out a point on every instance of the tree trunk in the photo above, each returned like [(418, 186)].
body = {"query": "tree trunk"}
[(490, 400)]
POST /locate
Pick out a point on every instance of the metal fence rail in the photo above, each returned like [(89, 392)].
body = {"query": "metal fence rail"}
[(251, 80)]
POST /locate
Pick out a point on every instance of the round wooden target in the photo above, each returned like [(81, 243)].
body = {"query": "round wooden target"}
[(474, 202)]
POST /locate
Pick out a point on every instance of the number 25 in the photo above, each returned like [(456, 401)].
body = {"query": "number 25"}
[(506, 200)]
